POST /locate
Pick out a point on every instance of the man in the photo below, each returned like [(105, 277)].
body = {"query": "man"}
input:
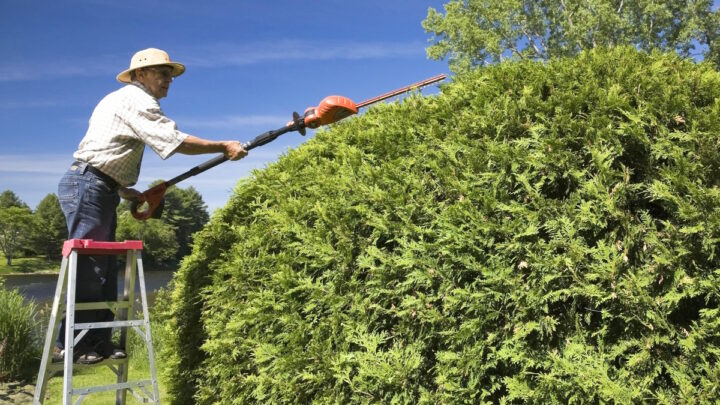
[(107, 163)]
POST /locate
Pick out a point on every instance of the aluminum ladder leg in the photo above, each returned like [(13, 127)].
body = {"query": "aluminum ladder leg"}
[(145, 391)]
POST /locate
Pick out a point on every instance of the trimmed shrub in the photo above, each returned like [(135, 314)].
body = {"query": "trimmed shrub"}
[(19, 343), (540, 233)]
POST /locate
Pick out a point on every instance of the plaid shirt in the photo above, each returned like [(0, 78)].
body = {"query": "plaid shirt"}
[(122, 124)]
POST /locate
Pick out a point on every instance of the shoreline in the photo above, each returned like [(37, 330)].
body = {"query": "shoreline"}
[(38, 273)]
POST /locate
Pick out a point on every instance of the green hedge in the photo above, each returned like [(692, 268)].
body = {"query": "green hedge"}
[(536, 233)]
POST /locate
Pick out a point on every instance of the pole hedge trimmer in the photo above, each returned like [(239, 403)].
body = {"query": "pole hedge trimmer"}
[(330, 110)]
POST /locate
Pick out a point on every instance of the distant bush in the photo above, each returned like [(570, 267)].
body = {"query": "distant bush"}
[(19, 342), (158, 311), (537, 233)]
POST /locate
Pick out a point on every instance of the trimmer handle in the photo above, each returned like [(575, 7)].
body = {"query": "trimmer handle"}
[(155, 199), (330, 110)]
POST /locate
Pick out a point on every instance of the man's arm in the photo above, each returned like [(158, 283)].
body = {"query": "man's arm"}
[(193, 145)]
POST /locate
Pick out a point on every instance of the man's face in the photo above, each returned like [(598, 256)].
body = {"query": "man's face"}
[(156, 79)]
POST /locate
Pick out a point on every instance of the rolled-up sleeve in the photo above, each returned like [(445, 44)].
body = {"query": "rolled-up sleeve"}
[(155, 129)]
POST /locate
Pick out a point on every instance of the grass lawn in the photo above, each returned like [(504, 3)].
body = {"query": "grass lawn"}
[(28, 265), (101, 375)]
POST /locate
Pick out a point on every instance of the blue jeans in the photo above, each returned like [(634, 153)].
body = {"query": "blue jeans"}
[(89, 205)]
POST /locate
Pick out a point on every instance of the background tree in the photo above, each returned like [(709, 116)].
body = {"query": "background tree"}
[(169, 238), (9, 199), (186, 211), (475, 32), (51, 229), (16, 227), (159, 244)]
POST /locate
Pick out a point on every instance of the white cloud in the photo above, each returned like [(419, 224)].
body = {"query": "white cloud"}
[(37, 69), (233, 121), (15, 104), (220, 54), (35, 163), (230, 54)]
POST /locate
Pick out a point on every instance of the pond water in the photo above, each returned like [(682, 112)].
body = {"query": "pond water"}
[(41, 287)]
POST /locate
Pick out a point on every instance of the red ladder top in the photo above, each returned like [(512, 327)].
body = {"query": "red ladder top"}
[(93, 247)]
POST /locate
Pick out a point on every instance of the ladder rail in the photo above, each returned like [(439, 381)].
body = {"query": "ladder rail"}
[(64, 305), (69, 328), (148, 332), (50, 334)]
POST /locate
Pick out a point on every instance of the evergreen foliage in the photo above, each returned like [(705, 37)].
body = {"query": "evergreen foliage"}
[(539, 233), (8, 199), (186, 211)]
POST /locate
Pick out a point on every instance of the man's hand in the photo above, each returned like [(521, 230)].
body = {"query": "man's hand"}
[(234, 150), (130, 194)]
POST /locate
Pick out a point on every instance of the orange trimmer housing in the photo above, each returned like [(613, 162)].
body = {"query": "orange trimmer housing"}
[(331, 109)]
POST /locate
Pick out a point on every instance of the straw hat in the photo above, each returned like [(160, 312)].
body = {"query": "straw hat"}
[(150, 57)]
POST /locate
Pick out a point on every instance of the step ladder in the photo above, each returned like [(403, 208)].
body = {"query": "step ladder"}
[(145, 391)]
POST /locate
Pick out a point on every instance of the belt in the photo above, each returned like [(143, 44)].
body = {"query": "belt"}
[(104, 177)]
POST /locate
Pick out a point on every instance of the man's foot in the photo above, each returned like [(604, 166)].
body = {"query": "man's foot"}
[(110, 351), (81, 355), (58, 355), (88, 357)]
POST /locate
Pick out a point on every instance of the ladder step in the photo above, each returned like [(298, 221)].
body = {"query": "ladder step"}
[(112, 387), (102, 305), (58, 366), (113, 324)]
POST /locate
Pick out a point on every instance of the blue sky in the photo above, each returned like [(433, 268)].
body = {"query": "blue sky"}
[(250, 64)]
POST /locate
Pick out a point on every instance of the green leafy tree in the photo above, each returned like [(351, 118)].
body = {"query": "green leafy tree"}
[(51, 228), (473, 32), (8, 199), (186, 211), (16, 228), (159, 243)]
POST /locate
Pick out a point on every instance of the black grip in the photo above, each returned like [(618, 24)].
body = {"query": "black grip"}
[(198, 169), (267, 137), (262, 139)]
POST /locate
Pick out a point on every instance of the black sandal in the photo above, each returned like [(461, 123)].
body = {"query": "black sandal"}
[(110, 351), (81, 355)]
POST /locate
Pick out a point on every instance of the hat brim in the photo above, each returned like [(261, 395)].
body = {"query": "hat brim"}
[(178, 69)]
